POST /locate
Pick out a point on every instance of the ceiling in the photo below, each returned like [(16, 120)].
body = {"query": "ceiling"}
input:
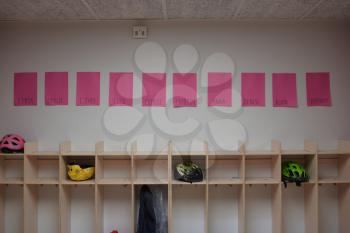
[(174, 9)]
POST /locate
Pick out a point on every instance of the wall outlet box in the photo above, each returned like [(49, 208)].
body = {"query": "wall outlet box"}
[(139, 32)]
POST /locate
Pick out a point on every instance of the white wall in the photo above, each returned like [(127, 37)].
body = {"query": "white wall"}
[(107, 46)]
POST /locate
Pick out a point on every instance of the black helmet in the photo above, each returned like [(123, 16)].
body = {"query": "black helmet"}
[(188, 172)]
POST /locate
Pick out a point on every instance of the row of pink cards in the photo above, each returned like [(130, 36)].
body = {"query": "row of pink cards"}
[(284, 89)]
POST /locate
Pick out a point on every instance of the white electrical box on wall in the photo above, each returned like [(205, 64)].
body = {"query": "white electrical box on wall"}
[(139, 32)]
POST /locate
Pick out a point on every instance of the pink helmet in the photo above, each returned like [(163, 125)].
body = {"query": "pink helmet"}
[(12, 143)]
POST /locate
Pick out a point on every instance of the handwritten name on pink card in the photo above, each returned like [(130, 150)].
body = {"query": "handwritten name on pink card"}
[(318, 89), (88, 89), (154, 89), (56, 88), (253, 89), (121, 89), (25, 91), (185, 90), (284, 90), (219, 89)]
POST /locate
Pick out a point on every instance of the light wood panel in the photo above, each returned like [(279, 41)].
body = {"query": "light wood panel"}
[(310, 156)]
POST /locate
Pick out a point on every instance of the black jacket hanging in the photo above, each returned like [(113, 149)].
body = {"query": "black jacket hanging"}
[(147, 219)]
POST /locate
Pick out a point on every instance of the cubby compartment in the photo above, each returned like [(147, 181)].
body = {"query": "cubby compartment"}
[(77, 208), (11, 169), (299, 208), (11, 208), (308, 161), (263, 208), (189, 204), (76, 159), (41, 212), (334, 202), (113, 169), (114, 208), (333, 168), (41, 169), (199, 160), (159, 194), (262, 168), (150, 169), (225, 169), (225, 209)]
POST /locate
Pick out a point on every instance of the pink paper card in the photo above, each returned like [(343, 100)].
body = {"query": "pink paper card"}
[(184, 90), (284, 90), (56, 88), (88, 89), (25, 91), (219, 89), (120, 89), (318, 89), (253, 89), (154, 89)]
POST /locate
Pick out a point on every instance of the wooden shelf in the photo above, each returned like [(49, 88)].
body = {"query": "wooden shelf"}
[(261, 181), (333, 152), (247, 177), (227, 181), (261, 153), (114, 155), (44, 153), (150, 181), (12, 156), (114, 181), (177, 182), (297, 152), (333, 181), (85, 182), (43, 181), (79, 153), (12, 181), (187, 153)]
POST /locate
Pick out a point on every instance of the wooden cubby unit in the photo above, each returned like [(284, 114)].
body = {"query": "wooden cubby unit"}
[(150, 168), (263, 167), (11, 168), (263, 208), (11, 207), (242, 190)]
